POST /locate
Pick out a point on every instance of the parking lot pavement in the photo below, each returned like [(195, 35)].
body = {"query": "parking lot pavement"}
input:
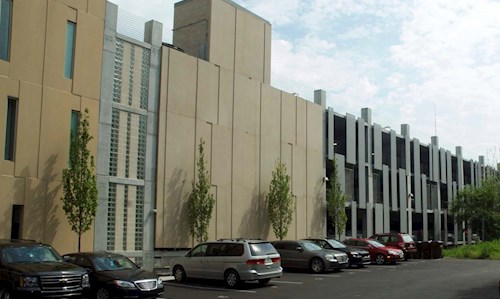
[(442, 278)]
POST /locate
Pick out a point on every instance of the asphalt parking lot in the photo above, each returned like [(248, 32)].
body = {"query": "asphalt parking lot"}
[(441, 278)]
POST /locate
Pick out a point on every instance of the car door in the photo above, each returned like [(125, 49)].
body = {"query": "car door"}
[(216, 255), (194, 262), (298, 257)]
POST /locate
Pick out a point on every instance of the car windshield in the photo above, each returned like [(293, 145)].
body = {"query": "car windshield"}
[(407, 238), (336, 244), (30, 254), (263, 248), (309, 246), (113, 262), (375, 243)]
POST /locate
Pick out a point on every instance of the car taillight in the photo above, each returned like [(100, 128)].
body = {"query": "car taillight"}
[(276, 260), (256, 262)]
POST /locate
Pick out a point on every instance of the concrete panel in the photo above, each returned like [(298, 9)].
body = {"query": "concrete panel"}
[(246, 104), (7, 88), (76, 4), (55, 121), (28, 41), (245, 166), (223, 207), (55, 45), (379, 218), (96, 8), (250, 45), (162, 116), (88, 56), (12, 191), (354, 219), (403, 198), (316, 204), (340, 170), (449, 177), (204, 131), (222, 34), (28, 130), (226, 96), (351, 153), (425, 223), (377, 147), (330, 148), (442, 164), (35, 212), (386, 197), (315, 127), (267, 53), (180, 147), (288, 118), (416, 176), (435, 163), (191, 25), (301, 124), (182, 74), (299, 187), (221, 153), (207, 104), (270, 145)]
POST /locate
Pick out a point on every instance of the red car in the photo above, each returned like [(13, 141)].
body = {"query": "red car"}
[(379, 253), (399, 240)]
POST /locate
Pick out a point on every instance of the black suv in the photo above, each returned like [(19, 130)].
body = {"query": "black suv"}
[(29, 269)]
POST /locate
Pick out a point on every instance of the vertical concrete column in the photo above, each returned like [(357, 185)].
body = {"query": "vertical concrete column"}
[(362, 194), (409, 196), (417, 192), (350, 139), (403, 198), (366, 115), (437, 179), (153, 35), (331, 135), (434, 149), (460, 168), (387, 211), (104, 138), (354, 219), (394, 172), (425, 224)]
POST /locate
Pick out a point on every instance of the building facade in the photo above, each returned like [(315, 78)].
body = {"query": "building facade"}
[(50, 66), (396, 183)]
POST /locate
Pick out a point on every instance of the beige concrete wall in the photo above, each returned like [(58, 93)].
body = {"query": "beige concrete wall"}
[(35, 76), (247, 127)]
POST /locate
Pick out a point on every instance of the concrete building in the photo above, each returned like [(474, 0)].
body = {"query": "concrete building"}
[(159, 100), (384, 173), (50, 66)]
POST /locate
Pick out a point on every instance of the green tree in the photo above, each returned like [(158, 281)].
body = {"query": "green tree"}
[(479, 207), (201, 202), (280, 201), (335, 201), (79, 182)]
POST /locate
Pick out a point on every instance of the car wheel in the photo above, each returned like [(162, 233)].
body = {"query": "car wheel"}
[(264, 282), (179, 274), (102, 293), (232, 279), (317, 265), (380, 259), (5, 293)]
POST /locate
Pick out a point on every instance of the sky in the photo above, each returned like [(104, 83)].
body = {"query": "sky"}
[(432, 64)]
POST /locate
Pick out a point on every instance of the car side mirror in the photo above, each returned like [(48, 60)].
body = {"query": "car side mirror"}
[(299, 248)]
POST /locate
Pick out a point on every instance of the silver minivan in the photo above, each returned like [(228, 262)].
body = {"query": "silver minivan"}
[(233, 260)]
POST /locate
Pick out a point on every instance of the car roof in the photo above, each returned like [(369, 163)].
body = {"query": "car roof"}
[(93, 254), (19, 242)]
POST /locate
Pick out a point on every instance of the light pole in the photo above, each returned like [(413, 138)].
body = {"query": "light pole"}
[(410, 197)]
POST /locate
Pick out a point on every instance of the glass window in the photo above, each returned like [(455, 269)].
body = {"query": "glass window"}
[(10, 132), (70, 50), (5, 21)]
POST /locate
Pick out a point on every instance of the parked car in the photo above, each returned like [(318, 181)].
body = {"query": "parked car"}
[(379, 253), (308, 255), (398, 240), (29, 269), (357, 257), (116, 276), (233, 260)]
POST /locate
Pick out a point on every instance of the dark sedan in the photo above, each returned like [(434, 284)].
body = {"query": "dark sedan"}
[(357, 256), (307, 255), (115, 276)]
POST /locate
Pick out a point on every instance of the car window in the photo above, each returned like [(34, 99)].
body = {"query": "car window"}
[(310, 246), (29, 254), (199, 250), (291, 245), (335, 244), (375, 243), (113, 262), (278, 245), (261, 248), (407, 238), (394, 239), (83, 262)]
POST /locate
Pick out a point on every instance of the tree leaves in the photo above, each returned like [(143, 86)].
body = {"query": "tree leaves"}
[(79, 182), (280, 201), (200, 201), (335, 201)]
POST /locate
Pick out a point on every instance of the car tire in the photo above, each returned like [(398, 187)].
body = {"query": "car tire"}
[(379, 259), (317, 265), (264, 282), (102, 293), (5, 293), (232, 279), (179, 274)]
